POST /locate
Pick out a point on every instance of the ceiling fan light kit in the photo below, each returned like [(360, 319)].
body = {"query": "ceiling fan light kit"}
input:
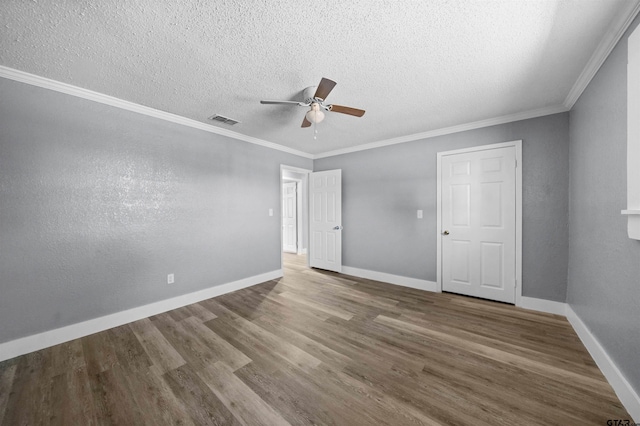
[(314, 97), (314, 115)]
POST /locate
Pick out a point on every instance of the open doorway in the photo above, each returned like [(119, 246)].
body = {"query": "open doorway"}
[(294, 218), (291, 200)]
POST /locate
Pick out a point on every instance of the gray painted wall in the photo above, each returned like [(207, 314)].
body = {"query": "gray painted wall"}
[(383, 188), (604, 264), (98, 205)]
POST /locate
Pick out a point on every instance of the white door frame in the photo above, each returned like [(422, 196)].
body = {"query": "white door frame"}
[(303, 188), (518, 146)]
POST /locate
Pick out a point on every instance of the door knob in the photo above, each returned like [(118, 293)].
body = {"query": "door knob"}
[(337, 227), (445, 233)]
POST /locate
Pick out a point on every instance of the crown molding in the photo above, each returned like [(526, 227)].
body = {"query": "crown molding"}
[(46, 83), (449, 130), (611, 38)]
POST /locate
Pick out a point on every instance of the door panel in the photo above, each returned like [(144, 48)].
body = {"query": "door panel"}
[(479, 212), (460, 258), (491, 196), (326, 218), (460, 198), (491, 264)]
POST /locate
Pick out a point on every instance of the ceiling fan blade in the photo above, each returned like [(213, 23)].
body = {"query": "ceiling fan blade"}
[(347, 110), (305, 122), (324, 88), (282, 103)]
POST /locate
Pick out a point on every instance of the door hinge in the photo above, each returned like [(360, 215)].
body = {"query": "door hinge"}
[(516, 164)]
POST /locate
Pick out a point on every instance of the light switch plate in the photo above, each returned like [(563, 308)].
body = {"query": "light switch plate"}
[(270, 212), (419, 214)]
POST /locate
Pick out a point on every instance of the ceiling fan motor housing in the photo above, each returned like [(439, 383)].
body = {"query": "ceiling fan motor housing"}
[(307, 94), (309, 98)]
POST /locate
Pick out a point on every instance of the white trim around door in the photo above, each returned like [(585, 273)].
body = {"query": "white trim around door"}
[(518, 269)]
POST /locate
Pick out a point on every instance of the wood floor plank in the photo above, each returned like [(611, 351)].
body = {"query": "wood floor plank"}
[(220, 309), (99, 353), (515, 346), (295, 402), (382, 408), (307, 398), (318, 348), (247, 304), (250, 336), (113, 399), (7, 374), (71, 400), (162, 354), (294, 310), (154, 398), (340, 313), (287, 351), (493, 374), (326, 335), (256, 351), (358, 331), (180, 313), (30, 396), (128, 349), (439, 407), (200, 312), (203, 406), (196, 310), (220, 348), (552, 372), (566, 402), (320, 351), (67, 356), (191, 348), (245, 404), (363, 298)]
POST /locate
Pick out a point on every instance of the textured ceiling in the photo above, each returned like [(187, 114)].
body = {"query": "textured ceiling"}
[(415, 66)]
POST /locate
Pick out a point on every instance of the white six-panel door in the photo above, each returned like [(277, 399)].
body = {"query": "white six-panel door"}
[(325, 224), (478, 218), (289, 218)]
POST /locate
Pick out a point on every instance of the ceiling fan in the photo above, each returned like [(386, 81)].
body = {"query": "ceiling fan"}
[(316, 102)]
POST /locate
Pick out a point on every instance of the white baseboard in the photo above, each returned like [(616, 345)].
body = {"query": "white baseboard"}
[(46, 339), (543, 305), (391, 279), (628, 396)]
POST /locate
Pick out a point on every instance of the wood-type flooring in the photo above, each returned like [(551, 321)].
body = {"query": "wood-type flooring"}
[(317, 348)]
